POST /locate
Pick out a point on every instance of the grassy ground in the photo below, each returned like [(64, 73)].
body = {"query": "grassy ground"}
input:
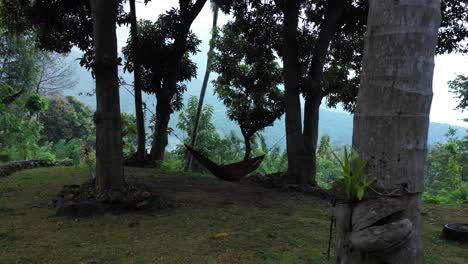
[(261, 226)]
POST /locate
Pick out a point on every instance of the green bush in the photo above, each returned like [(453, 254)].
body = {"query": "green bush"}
[(5, 157), (459, 196), (36, 103), (437, 198), (172, 165), (67, 150)]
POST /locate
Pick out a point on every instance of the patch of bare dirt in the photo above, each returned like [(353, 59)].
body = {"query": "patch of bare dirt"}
[(204, 191)]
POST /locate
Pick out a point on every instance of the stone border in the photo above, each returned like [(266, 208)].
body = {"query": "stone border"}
[(16, 166)]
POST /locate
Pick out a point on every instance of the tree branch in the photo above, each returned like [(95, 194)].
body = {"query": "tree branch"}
[(195, 10), (327, 30)]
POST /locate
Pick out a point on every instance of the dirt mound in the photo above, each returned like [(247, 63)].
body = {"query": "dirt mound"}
[(84, 201)]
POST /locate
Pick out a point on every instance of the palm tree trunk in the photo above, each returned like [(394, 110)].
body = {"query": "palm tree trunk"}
[(109, 167), (141, 135), (193, 138), (390, 132)]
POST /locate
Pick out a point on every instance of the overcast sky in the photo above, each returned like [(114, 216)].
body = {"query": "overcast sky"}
[(446, 66)]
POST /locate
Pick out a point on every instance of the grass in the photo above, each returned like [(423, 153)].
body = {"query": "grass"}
[(261, 226)]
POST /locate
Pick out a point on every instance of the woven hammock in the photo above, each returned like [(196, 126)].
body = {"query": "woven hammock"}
[(229, 172)]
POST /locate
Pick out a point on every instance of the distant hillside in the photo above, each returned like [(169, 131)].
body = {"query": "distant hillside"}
[(337, 124)]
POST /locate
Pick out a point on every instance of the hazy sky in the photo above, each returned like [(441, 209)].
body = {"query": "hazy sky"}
[(446, 66)]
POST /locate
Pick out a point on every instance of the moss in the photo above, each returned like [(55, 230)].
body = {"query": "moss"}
[(282, 228)]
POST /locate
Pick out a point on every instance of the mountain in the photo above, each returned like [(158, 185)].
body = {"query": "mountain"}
[(338, 124)]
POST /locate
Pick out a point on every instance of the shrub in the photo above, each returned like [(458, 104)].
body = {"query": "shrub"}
[(68, 150), (36, 103), (353, 175), (459, 196), (88, 158), (5, 157)]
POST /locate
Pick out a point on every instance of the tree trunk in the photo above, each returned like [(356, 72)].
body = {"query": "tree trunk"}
[(141, 135), (248, 145), (169, 88), (311, 126), (294, 138), (193, 142), (390, 131), (109, 167), (314, 90), (160, 140)]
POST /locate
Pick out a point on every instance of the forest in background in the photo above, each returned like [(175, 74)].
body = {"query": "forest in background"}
[(48, 125), (336, 123)]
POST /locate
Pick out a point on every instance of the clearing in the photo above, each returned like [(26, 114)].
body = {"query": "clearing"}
[(252, 224)]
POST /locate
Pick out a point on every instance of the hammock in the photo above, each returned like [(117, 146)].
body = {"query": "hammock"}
[(229, 172)]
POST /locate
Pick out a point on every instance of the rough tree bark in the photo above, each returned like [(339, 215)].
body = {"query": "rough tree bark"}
[(390, 132), (302, 144), (311, 127), (109, 167), (314, 91), (141, 135), (298, 171), (193, 138)]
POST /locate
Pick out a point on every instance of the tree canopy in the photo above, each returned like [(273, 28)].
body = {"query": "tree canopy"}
[(67, 119), (248, 82), (157, 40), (58, 25), (342, 60), (459, 87)]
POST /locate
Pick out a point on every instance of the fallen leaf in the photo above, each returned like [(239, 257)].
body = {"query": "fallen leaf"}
[(220, 235)]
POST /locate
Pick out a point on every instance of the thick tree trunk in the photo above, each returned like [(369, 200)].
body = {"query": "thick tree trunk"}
[(193, 138), (297, 159), (141, 135), (109, 167), (311, 126), (390, 131), (314, 90), (160, 137)]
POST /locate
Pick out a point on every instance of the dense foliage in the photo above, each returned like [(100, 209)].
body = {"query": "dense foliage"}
[(459, 87), (19, 69), (447, 171), (156, 40), (248, 81), (129, 133), (66, 118)]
